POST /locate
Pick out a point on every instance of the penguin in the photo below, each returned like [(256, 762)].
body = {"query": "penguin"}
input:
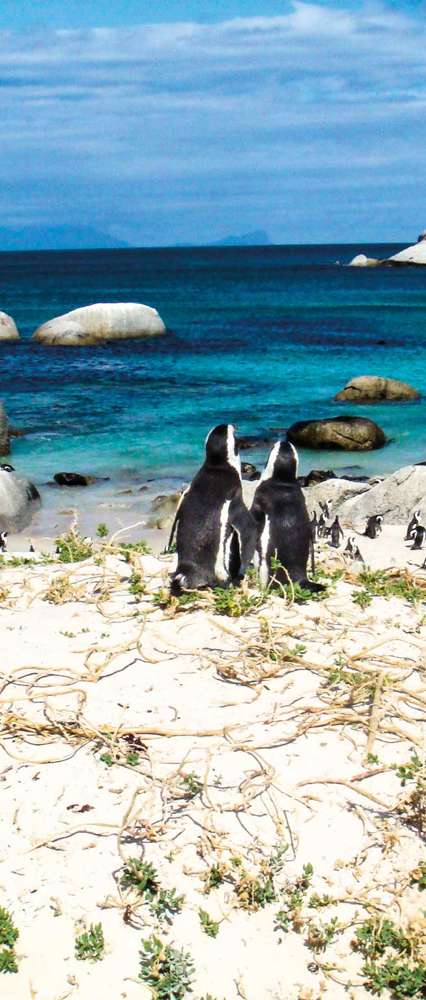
[(7, 468), (321, 527), (356, 555), (423, 566), (283, 525), (215, 533), (325, 508), (373, 526), (412, 524), (31, 548), (348, 551), (314, 526), (3, 541), (418, 537), (335, 532)]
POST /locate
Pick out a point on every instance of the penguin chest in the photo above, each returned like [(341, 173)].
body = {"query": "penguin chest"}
[(223, 553)]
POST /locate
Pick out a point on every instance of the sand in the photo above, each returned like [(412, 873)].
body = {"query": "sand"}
[(258, 710)]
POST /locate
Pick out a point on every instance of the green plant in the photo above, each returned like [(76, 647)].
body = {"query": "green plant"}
[(409, 771), (382, 583), (320, 935), (102, 530), (90, 946), (136, 585), (71, 547), (142, 876), (418, 876), (235, 602), (215, 877), (8, 936), (210, 926), (193, 785), (168, 971), (391, 959), (363, 598), (166, 904), (289, 915), (127, 548)]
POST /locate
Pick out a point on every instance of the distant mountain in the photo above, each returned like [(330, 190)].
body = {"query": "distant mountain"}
[(258, 237), (56, 238)]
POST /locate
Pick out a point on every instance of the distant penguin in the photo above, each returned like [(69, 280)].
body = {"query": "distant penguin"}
[(335, 532), (3, 541), (412, 525), (356, 555), (418, 537), (348, 551), (31, 548), (215, 533), (314, 526), (325, 509), (423, 566), (373, 526), (321, 527), (283, 526)]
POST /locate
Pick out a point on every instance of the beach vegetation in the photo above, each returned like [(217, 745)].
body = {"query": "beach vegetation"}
[(60, 591), (8, 936), (136, 585), (215, 876), (418, 876), (141, 876), (90, 945), (235, 602), (192, 784), (392, 956), (72, 547), (319, 935), (385, 583), (167, 970), (127, 549), (102, 530), (209, 926), (292, 901)]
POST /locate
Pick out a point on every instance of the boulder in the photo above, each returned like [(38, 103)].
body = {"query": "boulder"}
[(8, 328), (252, 441), (395, 498), (163, 509), (335, 492), (360, 260), (374, 388), (19, 500), (316, 476), (415, 254), (249, 471), (343, 433), (4, 432), (73, 479), (99, 323)]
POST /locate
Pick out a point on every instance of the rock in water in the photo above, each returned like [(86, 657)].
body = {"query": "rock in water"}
[(374, 388), (8, 328), (19, 500), (344, 433), (72, 479), (360, 260), (163, 510), (395, 498), (100, 323), (4, 432), (415, 254)]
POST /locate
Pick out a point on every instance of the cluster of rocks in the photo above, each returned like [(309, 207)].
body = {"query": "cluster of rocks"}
[(414, 255), (91, 325)]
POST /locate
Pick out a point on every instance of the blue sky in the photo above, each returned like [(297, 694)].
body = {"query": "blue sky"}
[(184, 121)]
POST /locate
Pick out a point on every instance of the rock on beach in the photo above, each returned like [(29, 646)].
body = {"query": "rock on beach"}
[(395, 498), (8, 328), (100, 323), (343, 433), (375, 388), (19, 500)]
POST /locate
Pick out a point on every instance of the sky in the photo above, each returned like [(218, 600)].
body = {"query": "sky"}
[(187, 120)]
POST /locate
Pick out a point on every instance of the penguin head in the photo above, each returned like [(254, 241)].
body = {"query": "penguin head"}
[(222, 448), (7, 468), (282, 464)]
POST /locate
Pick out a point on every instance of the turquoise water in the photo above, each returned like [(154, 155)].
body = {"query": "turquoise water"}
[(260, 336)]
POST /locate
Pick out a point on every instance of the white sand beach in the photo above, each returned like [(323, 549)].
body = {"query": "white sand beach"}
[(228, 751)]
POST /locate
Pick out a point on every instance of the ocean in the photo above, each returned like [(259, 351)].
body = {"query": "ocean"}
[(258, 336)]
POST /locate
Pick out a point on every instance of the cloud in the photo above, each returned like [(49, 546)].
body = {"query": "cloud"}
[(198, 126)]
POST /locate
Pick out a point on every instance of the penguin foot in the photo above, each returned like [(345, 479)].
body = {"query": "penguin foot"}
[(311, 585)]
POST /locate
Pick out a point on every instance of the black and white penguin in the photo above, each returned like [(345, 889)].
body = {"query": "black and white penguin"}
[(412, 525), (335, 533), (348, 551), (321, 527), (373, 526), (325, 509), (7, 468), (314, 526), (3, 541), (283, 526), (215, 533), (356, 555), (418, 537)]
